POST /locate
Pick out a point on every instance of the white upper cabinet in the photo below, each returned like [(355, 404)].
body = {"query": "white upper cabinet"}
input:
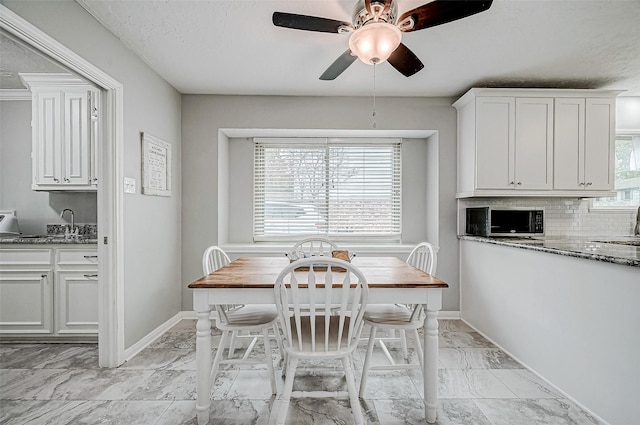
[(535, 142), (64, 128), (584, 144), (599, 144), (514, 143), (495, 135), (533, 153), (569, 144)]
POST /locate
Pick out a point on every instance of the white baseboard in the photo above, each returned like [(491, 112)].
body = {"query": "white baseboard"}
[(136, 348), (449, 315), (556, 389)]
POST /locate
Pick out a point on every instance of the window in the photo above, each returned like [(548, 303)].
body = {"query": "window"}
[(627, 174), (338, 188)]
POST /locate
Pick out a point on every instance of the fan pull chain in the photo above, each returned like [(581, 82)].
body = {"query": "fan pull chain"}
[(373, 115)]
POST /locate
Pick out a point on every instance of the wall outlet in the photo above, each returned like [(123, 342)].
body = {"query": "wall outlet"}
[(129, 185)]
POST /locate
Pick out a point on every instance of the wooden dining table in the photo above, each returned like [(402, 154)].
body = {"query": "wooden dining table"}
[(250, 280)]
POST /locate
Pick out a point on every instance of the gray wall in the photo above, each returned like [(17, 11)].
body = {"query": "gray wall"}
[(34, 209), (152, 240), (204, 115)]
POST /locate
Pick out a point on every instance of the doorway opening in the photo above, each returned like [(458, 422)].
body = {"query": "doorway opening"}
[(110, 178)]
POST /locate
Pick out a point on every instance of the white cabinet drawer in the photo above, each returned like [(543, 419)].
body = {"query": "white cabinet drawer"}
[(76, 257), (20, 257)]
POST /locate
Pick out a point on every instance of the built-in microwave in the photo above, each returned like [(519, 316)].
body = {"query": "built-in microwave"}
[(488, 221)]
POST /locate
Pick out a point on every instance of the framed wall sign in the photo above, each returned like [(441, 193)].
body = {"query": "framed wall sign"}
[(156, 166)]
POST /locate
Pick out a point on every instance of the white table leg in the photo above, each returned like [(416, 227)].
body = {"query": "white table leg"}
[(430, 365), (203, 365)]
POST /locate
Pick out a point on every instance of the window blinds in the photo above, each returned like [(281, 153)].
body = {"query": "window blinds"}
[(340, 188)]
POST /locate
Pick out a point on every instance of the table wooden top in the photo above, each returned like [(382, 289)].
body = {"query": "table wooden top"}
[(261, 272)]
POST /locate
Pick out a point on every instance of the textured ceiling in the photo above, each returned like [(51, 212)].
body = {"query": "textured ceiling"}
[(231, 47)]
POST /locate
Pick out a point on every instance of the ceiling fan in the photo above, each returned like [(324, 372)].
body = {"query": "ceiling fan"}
[(376, 31)]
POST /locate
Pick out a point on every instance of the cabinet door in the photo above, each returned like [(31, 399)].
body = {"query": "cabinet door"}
[(26, 302), (76, 140), (495, 133), (568, 154), (599, 148), (76, 306), (47, 138), (94, 135), (77, 302), (533, 159)]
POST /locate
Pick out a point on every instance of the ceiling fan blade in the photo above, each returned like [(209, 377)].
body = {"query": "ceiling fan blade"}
[(405, 61), (440, 12), (308, 23), (339, 65)]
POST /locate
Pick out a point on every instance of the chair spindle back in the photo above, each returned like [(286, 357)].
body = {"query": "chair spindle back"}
[(324, 282)]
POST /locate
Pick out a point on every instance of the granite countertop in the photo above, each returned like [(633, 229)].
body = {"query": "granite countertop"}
[(625, 252), (47, 239)]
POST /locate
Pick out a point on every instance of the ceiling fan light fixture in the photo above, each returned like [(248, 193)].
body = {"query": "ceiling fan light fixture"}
[(374, 42)]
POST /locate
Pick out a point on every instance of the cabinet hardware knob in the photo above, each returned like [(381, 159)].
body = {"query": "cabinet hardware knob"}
[(66, 180), (519, 183), (581, 184), (512, 182), (56, 180), (43, 276), (589, 183)]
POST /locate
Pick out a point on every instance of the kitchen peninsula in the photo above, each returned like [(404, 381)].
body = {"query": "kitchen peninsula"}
[(566, 309)]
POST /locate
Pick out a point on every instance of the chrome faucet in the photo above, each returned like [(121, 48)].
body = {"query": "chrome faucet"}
[(637, 229), (73, 225)]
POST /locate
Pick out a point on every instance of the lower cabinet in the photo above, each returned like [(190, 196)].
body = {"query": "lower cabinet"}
[(26, 302), (50, 292), (76, 295)]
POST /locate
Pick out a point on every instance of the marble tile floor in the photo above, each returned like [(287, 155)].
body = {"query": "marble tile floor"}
[(62, 384)]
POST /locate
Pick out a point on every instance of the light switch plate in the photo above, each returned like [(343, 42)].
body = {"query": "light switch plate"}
[(129, 185)]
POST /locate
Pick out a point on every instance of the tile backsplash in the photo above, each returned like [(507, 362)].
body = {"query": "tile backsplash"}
[(563, 216), (85, 230)]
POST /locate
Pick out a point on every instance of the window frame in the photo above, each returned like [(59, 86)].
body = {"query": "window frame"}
[(613, 208), (396, 175)]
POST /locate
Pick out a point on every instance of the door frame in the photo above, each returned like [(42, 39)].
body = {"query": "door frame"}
[(110, 184)]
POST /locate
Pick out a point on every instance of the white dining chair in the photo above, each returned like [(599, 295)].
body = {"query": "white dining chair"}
[(315, 246), (310, 247), (398, 317), (235, 320), (320, 334)]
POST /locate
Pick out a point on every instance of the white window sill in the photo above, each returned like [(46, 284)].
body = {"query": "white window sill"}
[(280, 248)]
